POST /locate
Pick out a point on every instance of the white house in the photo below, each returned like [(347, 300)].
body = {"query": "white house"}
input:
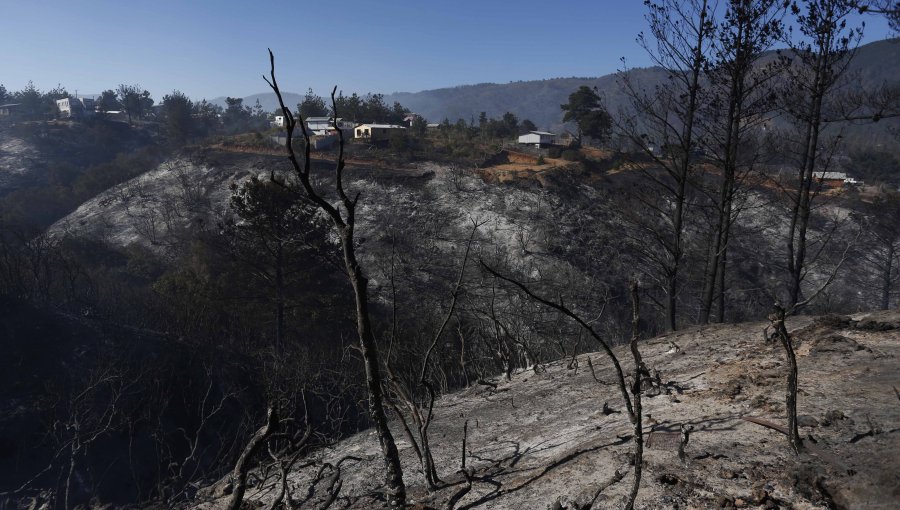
[(376, 132), (323, 125), (8, 110), (538, 138), (835, 179), (75, 107)]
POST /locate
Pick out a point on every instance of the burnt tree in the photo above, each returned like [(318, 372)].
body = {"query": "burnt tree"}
[(343, 218)]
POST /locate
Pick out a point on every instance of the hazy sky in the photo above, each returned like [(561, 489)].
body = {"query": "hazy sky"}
[(218, 48)]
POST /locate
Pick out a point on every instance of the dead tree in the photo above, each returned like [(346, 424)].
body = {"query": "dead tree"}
[(494, 335), (738, 104), (777, 318), (462, 354), (631, 400), (662, 125), (464, 471), (91, 413), (881, 220), (819, 61), (422, 415), (188, 467), (242, 467), (289, 447), (343, 217), (640, 371)]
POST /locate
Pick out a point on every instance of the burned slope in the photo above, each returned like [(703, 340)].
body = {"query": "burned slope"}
[(579, 224), (555, 436), (48, 168)]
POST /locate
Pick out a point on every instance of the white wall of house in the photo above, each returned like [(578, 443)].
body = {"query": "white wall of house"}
[(375, 132), (323, 125), (75, 107), (538, 138)]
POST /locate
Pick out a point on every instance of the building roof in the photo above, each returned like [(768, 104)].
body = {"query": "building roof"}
[(831, 175), (322, 119), (10, 105), (381, 126), (541, 133)]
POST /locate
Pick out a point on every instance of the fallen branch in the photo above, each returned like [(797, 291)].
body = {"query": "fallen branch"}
[(616, 478)]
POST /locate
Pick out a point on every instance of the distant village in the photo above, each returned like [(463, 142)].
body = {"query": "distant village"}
[(84, 107), (323, 132)]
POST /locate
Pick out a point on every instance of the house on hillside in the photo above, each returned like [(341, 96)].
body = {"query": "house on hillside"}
[(538, 139), (323, 125), (835, 180), (75, 107), (8, 110), (410, 118), (376, 132)]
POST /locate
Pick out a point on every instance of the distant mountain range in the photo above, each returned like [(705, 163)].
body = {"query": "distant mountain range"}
[(539, 100)]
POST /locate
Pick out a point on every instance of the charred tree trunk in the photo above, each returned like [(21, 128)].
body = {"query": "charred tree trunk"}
[(279, 301), (73, 453), (747, 30), (777, 319), (720, 275), (637, 415), (242, 467), (715, 276), (684, 167), (682, 32), (344, 223), (422, 445), (802, 212), (820, 65), (369, 350), (631, 400), (886, 281), (462, 356)]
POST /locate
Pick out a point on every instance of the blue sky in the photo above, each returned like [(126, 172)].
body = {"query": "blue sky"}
[(217, 48)]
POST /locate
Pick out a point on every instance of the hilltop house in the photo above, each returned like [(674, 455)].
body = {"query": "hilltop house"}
[(410, 118), (376, 132), (319, 126), (323, 125), (834, 179), (8, 110), (538, 139), (75, 107)]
